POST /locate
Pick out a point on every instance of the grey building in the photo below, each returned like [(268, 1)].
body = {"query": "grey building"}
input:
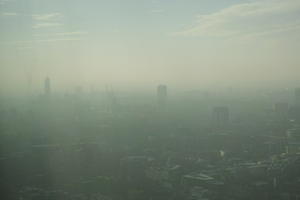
[(297, 96), (220, 117), (162, 95)]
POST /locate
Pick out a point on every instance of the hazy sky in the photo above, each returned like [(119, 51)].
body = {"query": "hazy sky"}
[(197, 43)]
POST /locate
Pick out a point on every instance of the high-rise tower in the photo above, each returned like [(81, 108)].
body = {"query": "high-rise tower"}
[(297, 96), (162, 95), (113, 104), (220, 117)]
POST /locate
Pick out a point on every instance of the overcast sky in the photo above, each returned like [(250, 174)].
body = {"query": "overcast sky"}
[(188, 43)]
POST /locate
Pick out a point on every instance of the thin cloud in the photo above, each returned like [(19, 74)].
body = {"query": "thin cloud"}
[(255, 18), (9, 14), (61, 34), (47, 17), (72, 33), (46, 25), (59, 39)]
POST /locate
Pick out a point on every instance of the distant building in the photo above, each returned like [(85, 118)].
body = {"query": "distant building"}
[(297, 96), (162, 95), (281, 109), (293, 140), (220, 117), (113, 104), (47, 86)]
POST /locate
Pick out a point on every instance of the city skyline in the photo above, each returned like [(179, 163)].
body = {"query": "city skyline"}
[(182, 43), (149, 99)]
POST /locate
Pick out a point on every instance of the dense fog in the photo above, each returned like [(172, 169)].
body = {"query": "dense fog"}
[(149, 100)]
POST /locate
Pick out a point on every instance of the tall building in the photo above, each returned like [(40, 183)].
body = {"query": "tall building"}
[(220, 117), (297, 96), (113, 104), (47, 86), (293, 140), (162, 94), (281, 109)]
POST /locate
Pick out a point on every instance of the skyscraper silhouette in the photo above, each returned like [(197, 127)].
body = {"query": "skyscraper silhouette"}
[(281, 109), (162, 95), (297, 96), (113, 104), (220, 117)]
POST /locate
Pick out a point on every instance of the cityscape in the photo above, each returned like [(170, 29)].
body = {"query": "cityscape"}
[(188, 145), (149, 100)]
